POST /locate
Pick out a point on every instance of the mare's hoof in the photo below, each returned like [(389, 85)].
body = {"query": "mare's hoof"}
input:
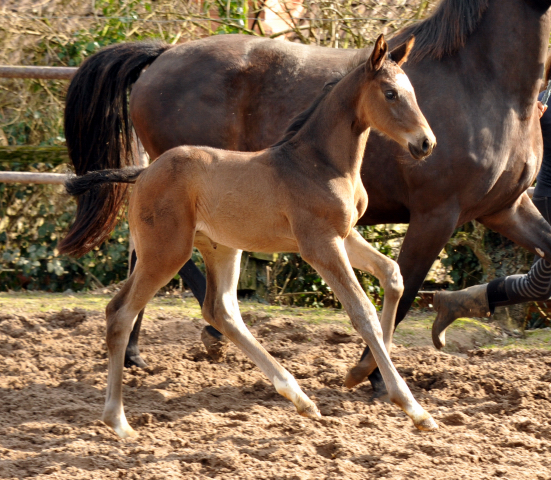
[(380, 396), (216, 344), (355, 376), (438, 337), (427, 425), (134, 361)]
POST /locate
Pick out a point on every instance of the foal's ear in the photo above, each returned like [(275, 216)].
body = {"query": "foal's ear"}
[(378, 55), (400, 54)]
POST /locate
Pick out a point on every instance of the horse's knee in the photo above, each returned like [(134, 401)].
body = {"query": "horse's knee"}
[(394, 282)]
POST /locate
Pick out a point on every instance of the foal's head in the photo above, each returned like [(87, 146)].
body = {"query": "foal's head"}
[(389, 101)]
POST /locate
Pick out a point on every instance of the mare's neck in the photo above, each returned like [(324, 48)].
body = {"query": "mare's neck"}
[(336, 134), (509, 48)]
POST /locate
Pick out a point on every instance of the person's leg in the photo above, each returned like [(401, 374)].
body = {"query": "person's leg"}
[(481, 300)]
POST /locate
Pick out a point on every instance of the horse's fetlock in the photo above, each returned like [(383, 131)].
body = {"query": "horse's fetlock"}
[(208, 312), (396, 399)]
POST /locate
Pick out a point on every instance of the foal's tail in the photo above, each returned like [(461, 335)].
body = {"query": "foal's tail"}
[(98, 128), (89, 231), (76, 186)]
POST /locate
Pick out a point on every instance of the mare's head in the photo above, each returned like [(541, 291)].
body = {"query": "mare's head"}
[(389, 101)]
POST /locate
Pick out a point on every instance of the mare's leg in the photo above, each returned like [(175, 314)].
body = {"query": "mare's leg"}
[(523, 224), (329, 257), (221, 310), (195, 280), (426, 237), (364, 257)]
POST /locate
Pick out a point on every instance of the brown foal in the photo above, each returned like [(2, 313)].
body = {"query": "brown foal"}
[(304, 195)]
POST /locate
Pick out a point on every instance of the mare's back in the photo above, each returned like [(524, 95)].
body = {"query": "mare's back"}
[(233, 91)]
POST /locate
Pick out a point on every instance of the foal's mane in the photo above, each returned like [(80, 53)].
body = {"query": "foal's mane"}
[(445, 31), (298, 122)]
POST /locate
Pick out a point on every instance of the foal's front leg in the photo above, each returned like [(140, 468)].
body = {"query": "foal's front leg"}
[(328, 256), (221, 310), (364, 257)]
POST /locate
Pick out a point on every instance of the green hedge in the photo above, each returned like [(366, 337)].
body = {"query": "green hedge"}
[(33, 218)]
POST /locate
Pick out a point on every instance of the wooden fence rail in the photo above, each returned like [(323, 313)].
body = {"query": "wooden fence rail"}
[(32, 177), (48, 73)]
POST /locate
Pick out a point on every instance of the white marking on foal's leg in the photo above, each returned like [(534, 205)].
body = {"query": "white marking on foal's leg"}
[(290, 389), (123, 429), (421, 418)]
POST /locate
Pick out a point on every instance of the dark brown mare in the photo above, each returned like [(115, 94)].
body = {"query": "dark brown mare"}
[(476, 68), (268, 201)]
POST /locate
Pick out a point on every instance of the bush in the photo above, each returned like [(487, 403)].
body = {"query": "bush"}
[(33, 220)]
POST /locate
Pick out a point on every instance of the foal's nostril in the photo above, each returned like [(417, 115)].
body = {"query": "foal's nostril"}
[(425, 145)]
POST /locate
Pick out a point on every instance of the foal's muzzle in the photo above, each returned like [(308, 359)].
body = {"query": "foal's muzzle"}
[(421, 149)]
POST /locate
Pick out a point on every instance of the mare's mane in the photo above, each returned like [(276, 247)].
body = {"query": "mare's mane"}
[(445, 31)]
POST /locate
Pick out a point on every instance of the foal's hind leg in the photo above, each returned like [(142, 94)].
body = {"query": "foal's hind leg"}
[(132, 356), (364, 257), (213, 340), (328, 256), (121, 314), (221, 310)]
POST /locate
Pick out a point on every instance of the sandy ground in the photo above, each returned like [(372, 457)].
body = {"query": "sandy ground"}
[(198, 419)]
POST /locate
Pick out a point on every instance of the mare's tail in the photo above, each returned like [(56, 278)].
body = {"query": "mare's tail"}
[(99, 132), (89, 231)]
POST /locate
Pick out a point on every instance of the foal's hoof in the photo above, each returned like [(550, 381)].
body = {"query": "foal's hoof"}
[(216, 344), (134, 361), (355, 376), (126, 433), (310, 411), (427, 425), (120, 426)]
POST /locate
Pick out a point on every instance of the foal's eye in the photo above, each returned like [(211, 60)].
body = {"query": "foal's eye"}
[(390, 95)]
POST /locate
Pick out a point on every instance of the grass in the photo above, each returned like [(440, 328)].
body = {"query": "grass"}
[(540, 339), (36, 302), (415, 330)]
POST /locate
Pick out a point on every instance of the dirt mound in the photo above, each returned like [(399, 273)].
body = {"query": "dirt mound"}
[(199, 419)]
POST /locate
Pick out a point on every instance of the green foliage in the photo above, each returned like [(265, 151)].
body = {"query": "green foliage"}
[(234, 12), (33, 218), (119, 25), (295, 282)]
